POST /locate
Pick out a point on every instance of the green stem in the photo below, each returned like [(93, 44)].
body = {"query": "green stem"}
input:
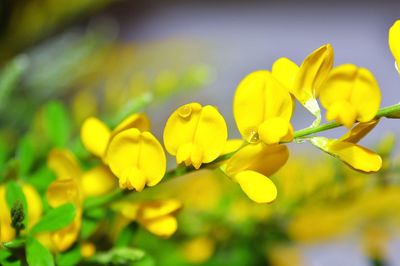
[(385, 111), (181, 169)]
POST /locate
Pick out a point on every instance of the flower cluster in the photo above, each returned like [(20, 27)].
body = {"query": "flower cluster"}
[(262, 106)]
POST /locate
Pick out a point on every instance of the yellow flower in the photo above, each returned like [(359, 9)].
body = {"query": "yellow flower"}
[(394, 42), (195, 134), (88, 249), (7, 233), (262, 108), (350, 94), (305, 82), (96, 136), (347, 150), (158, 217), (251, 165), (137, 159), (94, 182), (72, 186), (198, 250)]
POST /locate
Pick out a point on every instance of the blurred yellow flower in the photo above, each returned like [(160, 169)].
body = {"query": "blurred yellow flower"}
[(60, 192), (88, 249), (72, 186), (94, 182), (198, 250), (350, 94), (137, 159), (394, 42), (96, 136), (347, 150), (7, 233), (195, 134), (251, 165), (262, 108), (305, 82), (158, 217)]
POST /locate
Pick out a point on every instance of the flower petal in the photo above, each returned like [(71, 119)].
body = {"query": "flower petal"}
[(164, 226), (63, 191), (357, 157), (155, 209), (138, 120), (285, 71), (211, 134), (232, 145), (64, 164), (312, 73), (265, 159), (95, 136), (275, 130), (259, 97), (257, 187), (366, 95), (97, 181), (359, 131), (181, 126), (136, 159), (394, 41)]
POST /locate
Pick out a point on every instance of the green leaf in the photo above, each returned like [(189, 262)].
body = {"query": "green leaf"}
[(16, 243), (14, 262), (146, 261), (4, 254), (25, 155), (14, 193), (57, 123), (126, 235), (118, 256), (37, 254), (88, 228), (42, 178), (56, 219), (91, 220), (70, 257)]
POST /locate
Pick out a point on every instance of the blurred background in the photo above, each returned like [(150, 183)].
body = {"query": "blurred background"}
[(111, 58)]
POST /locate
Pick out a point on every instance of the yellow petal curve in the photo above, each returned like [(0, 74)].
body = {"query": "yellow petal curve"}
[(265, 159), (95, 136), (257, 187)]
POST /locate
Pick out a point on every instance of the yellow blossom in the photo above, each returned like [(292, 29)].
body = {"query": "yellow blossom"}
[(88, 249), (305, 82), (94, 182), (394, 42), (350, 94), (262, 108), (198, 250), (252, 165), (72, 186), (158, 217), (136, 158), (195, 134), (96, 136), (58, 193), (347, 150)]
